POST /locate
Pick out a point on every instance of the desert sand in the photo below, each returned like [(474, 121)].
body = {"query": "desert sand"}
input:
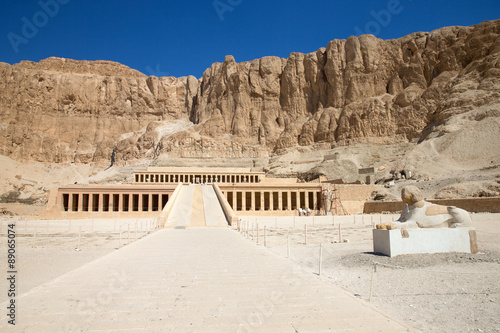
[(450, 292)]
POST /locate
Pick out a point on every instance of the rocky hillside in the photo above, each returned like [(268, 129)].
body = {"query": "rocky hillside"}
[(360, 90)]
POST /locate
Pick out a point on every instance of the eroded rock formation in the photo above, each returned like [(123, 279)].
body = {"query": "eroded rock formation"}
[(362, 89)]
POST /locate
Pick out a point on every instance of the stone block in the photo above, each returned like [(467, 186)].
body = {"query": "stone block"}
[(401, 241)]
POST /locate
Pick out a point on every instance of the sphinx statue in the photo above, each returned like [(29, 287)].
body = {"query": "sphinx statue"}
[(418, 213)]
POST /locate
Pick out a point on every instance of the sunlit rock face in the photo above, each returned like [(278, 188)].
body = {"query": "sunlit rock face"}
[(362, 89)]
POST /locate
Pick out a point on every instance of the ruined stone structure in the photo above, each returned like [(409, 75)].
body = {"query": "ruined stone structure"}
[(245, 191)]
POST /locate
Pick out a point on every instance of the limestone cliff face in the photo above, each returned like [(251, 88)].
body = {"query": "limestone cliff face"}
[(65, 110), (362, 89), (356, 90)]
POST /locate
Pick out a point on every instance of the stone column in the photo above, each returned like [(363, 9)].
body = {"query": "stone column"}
[(253, 201), (111, 202), (139, 208), (130, 202), (315, 200), (70, 202), (91, 202), (99, 202), (150, 202), (289, 200), (120, 202), (243, 201), (280, 200), (80, 202), (306, 197), (262, 201), (297, 197)]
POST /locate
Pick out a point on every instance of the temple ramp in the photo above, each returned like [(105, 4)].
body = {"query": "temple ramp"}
[(214, 214), (196, 206), (180, 217), (197, 210)]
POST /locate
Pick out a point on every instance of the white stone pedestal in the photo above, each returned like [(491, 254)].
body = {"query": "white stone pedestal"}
[(428, 240)]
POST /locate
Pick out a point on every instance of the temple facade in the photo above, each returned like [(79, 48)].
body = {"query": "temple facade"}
[(245, 191), (198, 176)]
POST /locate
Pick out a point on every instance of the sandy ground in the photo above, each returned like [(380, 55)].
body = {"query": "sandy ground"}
[(452, 292), (434, 293), (61, 246)]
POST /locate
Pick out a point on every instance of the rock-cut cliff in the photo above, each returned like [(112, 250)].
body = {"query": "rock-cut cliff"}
[(362, 89)]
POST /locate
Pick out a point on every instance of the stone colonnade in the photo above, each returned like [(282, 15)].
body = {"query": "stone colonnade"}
[(275, 199), (153, 198), (196, 178), (110, 201)]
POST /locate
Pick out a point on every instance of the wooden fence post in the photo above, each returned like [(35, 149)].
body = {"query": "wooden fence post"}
[(320, 258), (305, 234)]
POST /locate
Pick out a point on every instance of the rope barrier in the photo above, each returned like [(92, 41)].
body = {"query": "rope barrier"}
[(430, 271)]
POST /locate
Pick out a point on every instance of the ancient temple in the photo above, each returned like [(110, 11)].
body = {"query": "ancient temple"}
[(153, 193)]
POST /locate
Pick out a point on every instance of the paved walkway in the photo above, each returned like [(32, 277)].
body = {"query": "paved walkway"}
[(197, 206), (194, 280), (180, 217), (213, 209)]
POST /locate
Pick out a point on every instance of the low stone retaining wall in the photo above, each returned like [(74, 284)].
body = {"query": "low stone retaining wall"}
[(473, 205)]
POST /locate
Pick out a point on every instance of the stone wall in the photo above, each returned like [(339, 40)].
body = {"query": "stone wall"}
[(356, 192), (473, 205)]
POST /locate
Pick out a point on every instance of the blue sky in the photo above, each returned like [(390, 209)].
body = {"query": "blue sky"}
[(184, 37)]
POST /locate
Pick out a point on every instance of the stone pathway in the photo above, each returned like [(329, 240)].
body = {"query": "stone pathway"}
[(213, 209), (194, 280), (197, 207), (180, 217)]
